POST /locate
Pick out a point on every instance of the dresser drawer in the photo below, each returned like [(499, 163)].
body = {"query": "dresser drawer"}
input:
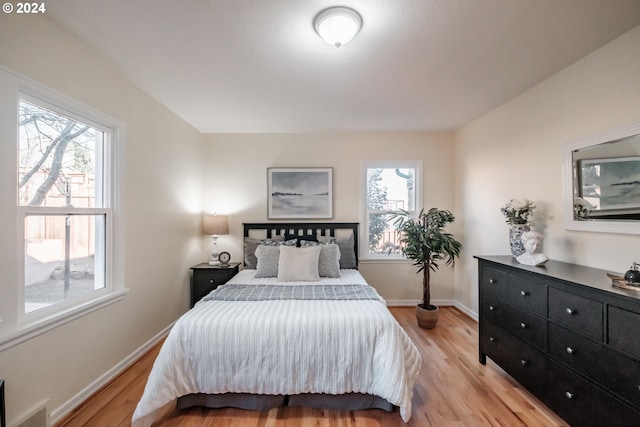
[(526, 326), (580, 314), (624, 331), (581, 403), (614, 371), (494, 281), (521, 361), (528, 294), (494, 309)]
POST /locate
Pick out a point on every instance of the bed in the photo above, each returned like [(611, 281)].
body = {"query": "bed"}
[(302, 335)]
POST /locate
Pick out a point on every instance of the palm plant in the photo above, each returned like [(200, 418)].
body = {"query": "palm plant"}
[(426, 243)]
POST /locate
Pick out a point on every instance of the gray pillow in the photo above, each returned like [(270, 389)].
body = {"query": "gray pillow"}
[(329, 261), (268, 258), (347, 253), (250, 246)]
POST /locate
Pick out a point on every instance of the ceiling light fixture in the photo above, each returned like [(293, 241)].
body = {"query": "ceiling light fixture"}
[(338, 25)]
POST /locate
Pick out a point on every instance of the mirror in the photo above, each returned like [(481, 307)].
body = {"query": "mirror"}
[(602, 182)]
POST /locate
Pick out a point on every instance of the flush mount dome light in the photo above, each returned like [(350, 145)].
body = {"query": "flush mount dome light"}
[(338, 25)]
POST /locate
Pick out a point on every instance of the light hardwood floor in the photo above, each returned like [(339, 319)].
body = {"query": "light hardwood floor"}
[(453, 390)]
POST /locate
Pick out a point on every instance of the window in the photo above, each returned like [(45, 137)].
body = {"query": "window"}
[(389, 186), (64, 204)]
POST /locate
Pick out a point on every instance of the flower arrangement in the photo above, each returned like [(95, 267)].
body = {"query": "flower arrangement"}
[(581, 208), (518, 211)]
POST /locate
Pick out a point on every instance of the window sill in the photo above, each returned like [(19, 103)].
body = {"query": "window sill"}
[(31, 330)]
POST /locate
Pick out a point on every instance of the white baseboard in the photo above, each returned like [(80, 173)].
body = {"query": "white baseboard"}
[(103, 380), (441, 303)]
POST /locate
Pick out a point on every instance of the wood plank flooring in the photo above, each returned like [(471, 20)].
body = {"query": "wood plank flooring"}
[(453, 390)]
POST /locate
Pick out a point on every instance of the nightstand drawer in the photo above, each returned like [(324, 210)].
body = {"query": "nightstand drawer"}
[(207, 278), (577, 313)]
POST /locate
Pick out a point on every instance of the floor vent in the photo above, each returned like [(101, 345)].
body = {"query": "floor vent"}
[(36, 417)]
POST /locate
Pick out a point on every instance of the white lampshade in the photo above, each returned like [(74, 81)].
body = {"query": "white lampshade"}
[(338, 25)]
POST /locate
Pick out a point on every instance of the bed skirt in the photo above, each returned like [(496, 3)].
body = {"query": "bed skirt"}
[(257, 402)]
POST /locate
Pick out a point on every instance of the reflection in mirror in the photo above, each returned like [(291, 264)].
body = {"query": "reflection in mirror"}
[(607, 180), (602, 182)]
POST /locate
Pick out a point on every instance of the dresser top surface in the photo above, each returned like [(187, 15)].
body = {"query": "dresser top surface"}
[(579, 274)]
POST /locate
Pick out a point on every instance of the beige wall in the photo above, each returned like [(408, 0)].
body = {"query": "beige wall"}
[(235, 184), (160, 208), (516, 151)]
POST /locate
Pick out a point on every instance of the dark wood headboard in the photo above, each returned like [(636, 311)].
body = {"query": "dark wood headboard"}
[(305, 228)]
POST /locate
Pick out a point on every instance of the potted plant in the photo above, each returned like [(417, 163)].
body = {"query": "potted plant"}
[(425, 242)]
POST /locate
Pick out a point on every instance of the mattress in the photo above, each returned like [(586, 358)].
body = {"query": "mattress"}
[(284, 347)]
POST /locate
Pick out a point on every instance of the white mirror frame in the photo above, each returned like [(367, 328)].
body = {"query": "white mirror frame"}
[(602, 226)]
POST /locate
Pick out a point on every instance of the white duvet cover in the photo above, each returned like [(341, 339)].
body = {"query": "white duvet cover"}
[(284, 347)]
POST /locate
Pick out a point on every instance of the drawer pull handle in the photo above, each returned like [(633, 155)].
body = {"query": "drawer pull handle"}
[(492, 281), (524, 293), (491, 308), (570, 350), (569, 395), (493, 339), (211, 281), (524, 362), (523, 325), (570, 310)]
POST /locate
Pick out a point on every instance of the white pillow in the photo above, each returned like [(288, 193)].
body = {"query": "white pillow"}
[(298, 264)]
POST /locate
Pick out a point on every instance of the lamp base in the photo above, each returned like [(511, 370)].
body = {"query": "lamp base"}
[(214, 262)]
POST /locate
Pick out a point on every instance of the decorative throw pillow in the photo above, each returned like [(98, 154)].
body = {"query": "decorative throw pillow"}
[(298, 264), (268, 256), (250, 246), (300, 239), (329, 261), (347, 253)]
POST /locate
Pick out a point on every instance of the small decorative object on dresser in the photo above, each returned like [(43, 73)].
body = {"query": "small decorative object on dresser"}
[(531, 240), (632, 276), (206, 277), (518, 213), (566, 335)]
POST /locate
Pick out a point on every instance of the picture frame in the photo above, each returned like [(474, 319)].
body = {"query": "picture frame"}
[(300, 193), (611, 185)]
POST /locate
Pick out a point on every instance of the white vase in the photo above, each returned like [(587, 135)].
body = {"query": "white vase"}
[(515, 238)]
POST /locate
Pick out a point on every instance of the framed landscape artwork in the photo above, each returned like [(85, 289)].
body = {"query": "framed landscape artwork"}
[(300, 193), (611, 184)]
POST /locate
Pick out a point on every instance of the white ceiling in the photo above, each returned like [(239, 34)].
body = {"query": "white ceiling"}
[(258, 65)]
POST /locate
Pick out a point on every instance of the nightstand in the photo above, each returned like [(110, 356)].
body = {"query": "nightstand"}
[(206, 278)]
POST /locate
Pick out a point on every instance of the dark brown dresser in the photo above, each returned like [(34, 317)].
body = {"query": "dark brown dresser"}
[(566, 334)]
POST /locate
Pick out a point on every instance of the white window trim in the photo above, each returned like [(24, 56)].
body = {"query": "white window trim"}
[(363, 250), (18, 327)]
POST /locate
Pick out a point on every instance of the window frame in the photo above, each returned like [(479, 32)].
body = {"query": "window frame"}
[(365, 165), (16, 325)]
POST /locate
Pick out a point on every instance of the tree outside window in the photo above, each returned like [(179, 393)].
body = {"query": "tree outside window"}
[(388, 190)]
